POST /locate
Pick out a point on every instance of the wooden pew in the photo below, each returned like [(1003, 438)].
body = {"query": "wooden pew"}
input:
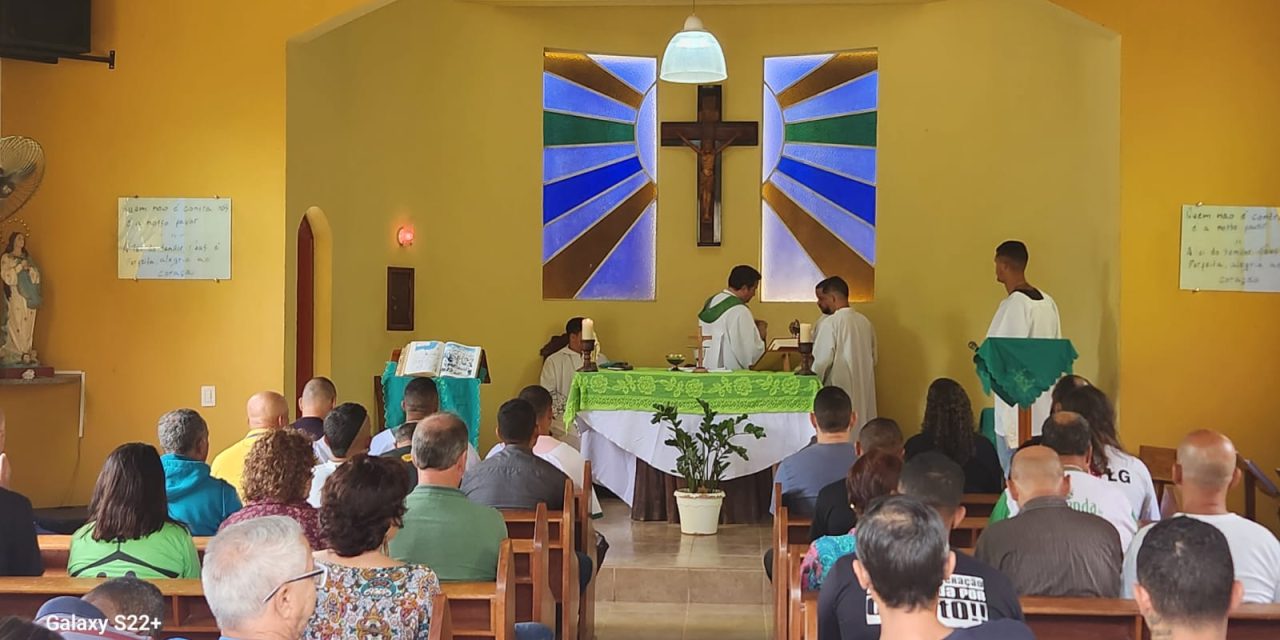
[(534, 602), (587, 544), (811, 615), (979, 505), (795, 593), (787, 531), (56, 549), (186, 613), (441, 621), (562, 561), (1114, 619), (483, 610), (1159, 461), (965, 536), (1255, 480)]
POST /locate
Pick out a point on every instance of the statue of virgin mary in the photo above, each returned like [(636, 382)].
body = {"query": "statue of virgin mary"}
[(21, 284)]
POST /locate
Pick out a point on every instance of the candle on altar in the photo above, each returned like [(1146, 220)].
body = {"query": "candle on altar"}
[(588, 329), (806, 332)]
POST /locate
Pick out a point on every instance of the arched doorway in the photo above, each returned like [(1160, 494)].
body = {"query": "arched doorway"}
[(305, 352)]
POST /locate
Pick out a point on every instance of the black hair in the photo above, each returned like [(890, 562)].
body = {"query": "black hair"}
[(880, 434), (342, 426), (421, 396), (743, 276), (517, 421), (832, 409), (128, 596), (1092, 404), (1067, 433), (129, 500), (902, 544), (948, 420), (558, 342), (1186, 566), (1015, 252), (536, 396), (15, 628), (935, 480), (13, 239), (1066, 384), (836, 284), (361, 501)]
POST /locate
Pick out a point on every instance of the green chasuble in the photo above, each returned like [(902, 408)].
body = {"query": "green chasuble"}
[(710, 313)]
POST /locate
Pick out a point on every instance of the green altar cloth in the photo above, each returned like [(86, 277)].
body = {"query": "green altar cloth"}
[(460, 396), (731, 392), (1019, 370)]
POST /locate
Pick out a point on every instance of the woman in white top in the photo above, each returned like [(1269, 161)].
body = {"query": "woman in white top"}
[(1110, 461)]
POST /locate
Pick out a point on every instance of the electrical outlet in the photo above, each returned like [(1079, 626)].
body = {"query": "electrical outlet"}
[(208, 396)]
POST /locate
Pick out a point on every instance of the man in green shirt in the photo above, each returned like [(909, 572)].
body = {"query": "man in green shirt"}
[(456, 537)]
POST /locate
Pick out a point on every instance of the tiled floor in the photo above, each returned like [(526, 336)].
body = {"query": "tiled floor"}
[(657, 583)]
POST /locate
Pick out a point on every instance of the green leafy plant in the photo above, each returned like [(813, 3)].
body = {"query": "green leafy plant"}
[(705, 453)]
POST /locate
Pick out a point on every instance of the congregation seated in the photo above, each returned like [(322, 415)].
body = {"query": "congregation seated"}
[(19, 551), (973, 593), (833, 511), (260, 580), (404, 450), (342, 427), (277, 477), (1066, 384), (561, 357), (318, 398), (1050, 549), (15, 628), (267, 411), (1186, 586), (949, 427), (130, 531), (1205, 472), (112, 604), (825, 460), (1067, 433), (196, 499), (362, 503), (421, 399), (902, 562), (873, 476), (1108, 459), (442, 529), (516, 478)]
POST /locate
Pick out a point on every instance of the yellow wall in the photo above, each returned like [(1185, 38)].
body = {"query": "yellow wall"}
[(999, 119), (195, 107), (1201, 90)]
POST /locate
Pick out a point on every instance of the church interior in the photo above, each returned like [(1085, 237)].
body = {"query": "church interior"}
[(392, 170)]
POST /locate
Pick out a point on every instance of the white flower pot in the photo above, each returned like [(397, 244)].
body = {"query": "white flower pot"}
[(699, 512)]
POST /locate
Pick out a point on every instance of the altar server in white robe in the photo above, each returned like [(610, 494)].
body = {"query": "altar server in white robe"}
[(737, 338), (844, 349), (1027, 312), (562, 358)]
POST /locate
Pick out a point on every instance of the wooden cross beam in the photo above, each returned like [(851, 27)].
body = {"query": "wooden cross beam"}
[(708, 136)]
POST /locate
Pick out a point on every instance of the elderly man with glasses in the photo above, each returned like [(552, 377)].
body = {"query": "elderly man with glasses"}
[(260, 580)]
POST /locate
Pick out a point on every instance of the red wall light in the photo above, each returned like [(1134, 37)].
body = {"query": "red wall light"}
[(404, 235)]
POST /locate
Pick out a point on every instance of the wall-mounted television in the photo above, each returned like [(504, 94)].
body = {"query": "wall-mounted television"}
[(44, 28)]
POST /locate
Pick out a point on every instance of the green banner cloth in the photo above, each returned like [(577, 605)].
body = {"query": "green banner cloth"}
[(1019, 370), (460, 396), (730, 392)]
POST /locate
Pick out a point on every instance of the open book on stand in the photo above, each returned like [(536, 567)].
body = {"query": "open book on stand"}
[(431, 358)]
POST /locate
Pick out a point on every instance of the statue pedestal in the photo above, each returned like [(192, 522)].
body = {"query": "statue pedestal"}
[(25, 372)]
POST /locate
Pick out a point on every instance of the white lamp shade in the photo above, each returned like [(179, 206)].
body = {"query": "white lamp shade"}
[(693, 56)]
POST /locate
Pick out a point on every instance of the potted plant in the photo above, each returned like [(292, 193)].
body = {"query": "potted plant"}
[(704, 456)]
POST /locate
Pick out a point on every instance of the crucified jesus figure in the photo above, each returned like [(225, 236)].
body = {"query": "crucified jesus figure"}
[(707, 150)]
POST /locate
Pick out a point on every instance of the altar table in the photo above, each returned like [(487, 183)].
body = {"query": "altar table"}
[(613, 412)]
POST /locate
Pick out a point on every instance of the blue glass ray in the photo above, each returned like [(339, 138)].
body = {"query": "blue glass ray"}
[(640, 73), (628, 272), (774, 131), (859, 94), (647, 134), (792, 273), (561, 197), (559, 162), (854, 162), (783, 72), (563, 230), (858, 235), (561, 95), (855, 197)]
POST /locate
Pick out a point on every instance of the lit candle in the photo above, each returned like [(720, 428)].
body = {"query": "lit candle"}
[(806, 332), (588, 329)]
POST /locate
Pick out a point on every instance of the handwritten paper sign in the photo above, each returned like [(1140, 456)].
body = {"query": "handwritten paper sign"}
[(174, 238), (1230, 248)]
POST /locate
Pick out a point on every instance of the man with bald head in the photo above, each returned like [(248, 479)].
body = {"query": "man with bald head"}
[(1204, 472), (319, 396), (1051, 549), (267, 410)]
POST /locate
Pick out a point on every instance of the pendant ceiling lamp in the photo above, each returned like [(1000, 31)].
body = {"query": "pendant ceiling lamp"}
[(694, 55)]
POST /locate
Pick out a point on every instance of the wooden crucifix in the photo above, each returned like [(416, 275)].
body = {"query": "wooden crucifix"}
[(708, 137)]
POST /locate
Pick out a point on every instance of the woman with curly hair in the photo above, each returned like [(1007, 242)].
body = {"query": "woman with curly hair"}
[(949, 428), (874, 475), (367, 594), (277, 478), (1109, 459)]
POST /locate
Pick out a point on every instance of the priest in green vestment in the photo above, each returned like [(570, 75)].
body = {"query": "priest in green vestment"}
[(736, 337)]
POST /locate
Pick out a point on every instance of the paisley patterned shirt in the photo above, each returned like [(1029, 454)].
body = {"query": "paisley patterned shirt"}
[(385, 603)]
